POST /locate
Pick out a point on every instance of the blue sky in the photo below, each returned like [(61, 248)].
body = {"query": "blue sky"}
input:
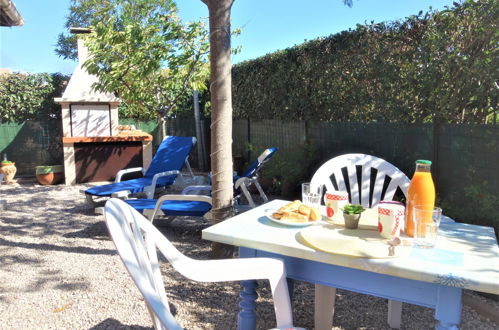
[(267, 25)]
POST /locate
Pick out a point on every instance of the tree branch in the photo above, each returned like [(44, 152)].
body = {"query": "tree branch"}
[(184, 85)]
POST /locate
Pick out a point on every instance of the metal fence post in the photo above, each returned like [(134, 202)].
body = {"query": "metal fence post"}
[(199, 134)]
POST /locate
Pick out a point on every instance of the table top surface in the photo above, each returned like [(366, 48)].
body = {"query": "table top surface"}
[(465, 256)]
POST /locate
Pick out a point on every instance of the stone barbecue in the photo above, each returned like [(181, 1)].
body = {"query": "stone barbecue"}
[(95, 146)]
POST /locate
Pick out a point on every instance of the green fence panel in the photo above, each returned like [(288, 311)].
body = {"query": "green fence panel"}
[(399, 144), (150, 126), (31, 144), (240, 138), (8, 132), (465, 157), (468, 172), (268, 133)]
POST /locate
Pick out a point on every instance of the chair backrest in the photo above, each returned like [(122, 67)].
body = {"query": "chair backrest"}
[(259, 162), (171, 155), (373, 172), (128, 229)]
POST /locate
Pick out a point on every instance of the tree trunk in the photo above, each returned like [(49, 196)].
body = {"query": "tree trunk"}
[(221, 115)]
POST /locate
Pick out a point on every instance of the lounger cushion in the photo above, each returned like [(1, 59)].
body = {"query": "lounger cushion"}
[(172, 208), (134, 186), (170, 155), (262, 159)]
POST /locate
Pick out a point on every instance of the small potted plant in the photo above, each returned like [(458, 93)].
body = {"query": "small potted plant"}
[(351, 214), (8, 169), (48, 175)]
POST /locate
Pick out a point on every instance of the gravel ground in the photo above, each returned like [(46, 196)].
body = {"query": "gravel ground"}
[(59, 270)]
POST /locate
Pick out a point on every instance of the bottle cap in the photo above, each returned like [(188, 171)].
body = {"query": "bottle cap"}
[(422, 161)]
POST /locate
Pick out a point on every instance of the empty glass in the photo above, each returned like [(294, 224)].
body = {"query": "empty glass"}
[(311, 194), (426, 222)]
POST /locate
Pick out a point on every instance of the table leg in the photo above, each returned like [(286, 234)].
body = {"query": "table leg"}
[(448, 308), (291, 289), (324, 306), (394, 314), (246, 319)]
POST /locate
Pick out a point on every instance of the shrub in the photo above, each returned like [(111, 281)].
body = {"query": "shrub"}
[(30, 96)]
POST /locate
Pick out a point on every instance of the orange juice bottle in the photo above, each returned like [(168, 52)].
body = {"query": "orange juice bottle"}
[(421, 192)]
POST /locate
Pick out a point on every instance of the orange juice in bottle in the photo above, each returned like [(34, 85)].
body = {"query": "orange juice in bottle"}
[(421, 192)]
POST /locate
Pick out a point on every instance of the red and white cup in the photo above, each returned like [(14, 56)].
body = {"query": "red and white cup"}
[(334, 201), (390, 218)]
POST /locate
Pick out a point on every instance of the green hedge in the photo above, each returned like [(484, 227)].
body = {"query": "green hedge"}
[(30, 96), (437, 65)]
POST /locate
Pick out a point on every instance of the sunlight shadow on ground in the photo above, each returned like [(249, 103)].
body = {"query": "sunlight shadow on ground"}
[(52, 247), (96, 230), (115, 324)]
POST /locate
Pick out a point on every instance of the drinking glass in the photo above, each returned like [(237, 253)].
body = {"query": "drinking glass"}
[(426, 222), (311, 194)]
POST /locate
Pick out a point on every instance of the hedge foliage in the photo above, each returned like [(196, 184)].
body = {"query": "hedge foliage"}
[(437, 65), (30, 96)]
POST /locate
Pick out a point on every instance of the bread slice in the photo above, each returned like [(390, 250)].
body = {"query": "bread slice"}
[(315, 214), (304, 209), (290, 207), (277, 215), (296, 211), (294, 217)]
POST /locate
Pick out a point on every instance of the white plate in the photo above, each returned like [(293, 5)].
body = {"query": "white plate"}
[(291, 224)]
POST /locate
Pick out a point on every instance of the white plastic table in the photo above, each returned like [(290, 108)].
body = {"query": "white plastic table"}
[(465, 257)]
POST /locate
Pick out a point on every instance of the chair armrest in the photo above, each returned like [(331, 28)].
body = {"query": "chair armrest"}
[(239, 182), (149, 190), (235, 270), (190, 190), (120, 173), (199, 198), (123, 194), (245, 181)]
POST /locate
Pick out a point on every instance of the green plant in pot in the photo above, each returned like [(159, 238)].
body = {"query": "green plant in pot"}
[(351, 214), (48, 175)]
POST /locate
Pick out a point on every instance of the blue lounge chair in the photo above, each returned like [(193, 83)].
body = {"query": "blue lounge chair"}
[(250, 176), (190, 203), (172, 206), (243, 182), (166, 164)]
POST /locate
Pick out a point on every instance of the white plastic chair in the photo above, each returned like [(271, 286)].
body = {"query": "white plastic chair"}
[(373, 173), (137, 242)]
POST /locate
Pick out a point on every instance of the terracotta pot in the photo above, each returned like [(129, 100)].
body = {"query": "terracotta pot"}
[(49, 175), (9, 171), (50, 178)]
